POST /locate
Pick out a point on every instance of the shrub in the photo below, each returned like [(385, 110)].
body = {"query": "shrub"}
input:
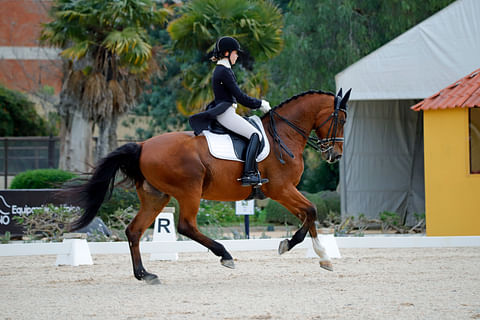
[(276, 213), (325, 201), (41, 179), (216, 213), (18, 116), (123, 198), (47, 222), (332, 201)]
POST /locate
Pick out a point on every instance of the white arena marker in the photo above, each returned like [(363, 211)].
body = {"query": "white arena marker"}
[(164, 230), (79, 253), (330, 244)]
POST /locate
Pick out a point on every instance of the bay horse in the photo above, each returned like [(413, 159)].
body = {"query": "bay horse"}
[(179, 165)]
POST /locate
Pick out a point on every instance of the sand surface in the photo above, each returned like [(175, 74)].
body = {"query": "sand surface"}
[(433, 283)]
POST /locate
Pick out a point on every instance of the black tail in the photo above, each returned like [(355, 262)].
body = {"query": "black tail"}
[(90, 195)]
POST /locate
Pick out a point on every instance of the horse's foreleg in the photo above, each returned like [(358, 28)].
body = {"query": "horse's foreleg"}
[(320, 250), (187, 226), (151, 204), (302, 208)]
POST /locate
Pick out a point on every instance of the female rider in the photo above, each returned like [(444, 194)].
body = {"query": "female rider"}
[(227, 93)]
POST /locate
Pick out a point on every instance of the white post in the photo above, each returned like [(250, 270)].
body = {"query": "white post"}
[(164, 230)]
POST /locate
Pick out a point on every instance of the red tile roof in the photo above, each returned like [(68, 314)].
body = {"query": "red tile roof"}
[(464, 93)]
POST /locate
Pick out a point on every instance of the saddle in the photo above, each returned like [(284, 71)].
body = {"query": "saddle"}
[(227, 145)]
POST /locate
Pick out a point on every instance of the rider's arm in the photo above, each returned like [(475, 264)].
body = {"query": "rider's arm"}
[(231, 84)]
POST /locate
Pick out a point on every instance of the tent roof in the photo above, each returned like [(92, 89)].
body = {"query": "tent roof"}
[(464, 93), (420, 61)]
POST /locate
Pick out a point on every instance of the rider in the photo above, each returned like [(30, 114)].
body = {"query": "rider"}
[(227, 93)]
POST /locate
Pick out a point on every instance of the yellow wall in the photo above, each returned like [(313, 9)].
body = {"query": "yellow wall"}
[(452, 194)]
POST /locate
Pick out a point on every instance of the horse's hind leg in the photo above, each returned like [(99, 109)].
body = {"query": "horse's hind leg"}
[(187, 226), (152, 202)]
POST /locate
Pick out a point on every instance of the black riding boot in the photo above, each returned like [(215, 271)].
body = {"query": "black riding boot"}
[(251, 176)]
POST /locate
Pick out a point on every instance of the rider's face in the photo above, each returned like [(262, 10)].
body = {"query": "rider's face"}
[(233, 57)]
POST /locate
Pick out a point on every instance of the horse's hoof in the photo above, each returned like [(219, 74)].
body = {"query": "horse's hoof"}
[(327, 265), (228, 263), (151, 279), (283, 247)]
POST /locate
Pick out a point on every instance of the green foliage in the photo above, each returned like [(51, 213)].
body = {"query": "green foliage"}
[(318, 175), (325, 202), (41, 179), (5, 238), (216, 213), (18, 116), (257, 24), (323, 37), (121, 199), (49, 222), (115, 28), (161, 93)]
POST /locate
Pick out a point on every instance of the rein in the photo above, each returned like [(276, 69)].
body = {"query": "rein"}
[(319, 145)]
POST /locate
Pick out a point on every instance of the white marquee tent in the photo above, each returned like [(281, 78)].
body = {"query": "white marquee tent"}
[(382, 167)]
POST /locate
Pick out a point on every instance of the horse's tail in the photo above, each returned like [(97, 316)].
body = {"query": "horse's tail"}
[(90, 195)]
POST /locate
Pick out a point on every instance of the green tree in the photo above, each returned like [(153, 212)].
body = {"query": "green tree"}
[(257, 24), (18, 116), (108, 53), (323, 37)]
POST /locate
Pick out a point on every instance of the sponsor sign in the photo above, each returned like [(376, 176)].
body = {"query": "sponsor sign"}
[(19, 203)]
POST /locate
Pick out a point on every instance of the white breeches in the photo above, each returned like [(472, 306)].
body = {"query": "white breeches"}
[(236, 123)]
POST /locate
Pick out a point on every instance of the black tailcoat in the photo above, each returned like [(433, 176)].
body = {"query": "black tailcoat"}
[(227, 92)]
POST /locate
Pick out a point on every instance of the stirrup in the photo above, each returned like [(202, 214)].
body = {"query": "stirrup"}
[(252, 179)]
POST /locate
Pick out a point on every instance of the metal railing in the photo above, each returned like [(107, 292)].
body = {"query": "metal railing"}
[(18, 154)]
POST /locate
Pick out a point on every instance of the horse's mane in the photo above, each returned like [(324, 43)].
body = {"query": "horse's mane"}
[(300, 95)]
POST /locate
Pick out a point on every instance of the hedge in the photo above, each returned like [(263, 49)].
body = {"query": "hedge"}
[(41, 179), (325, 202)]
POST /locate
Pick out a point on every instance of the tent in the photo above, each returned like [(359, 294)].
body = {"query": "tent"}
[(382, 168)]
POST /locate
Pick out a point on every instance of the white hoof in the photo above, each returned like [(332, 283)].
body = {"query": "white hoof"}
[(327, 265)]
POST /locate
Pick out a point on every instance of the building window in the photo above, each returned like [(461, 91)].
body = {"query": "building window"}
[(474, 123)]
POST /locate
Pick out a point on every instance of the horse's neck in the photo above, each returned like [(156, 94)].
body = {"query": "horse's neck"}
[(302, 112)]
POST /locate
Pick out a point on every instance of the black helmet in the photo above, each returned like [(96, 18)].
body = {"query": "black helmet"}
[(225, 44)]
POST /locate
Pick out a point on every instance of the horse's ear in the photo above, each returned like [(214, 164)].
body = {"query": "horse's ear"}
[(343, 103), (339, 94)]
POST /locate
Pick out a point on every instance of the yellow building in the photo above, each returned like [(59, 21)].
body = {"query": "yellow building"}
[(452, 158)]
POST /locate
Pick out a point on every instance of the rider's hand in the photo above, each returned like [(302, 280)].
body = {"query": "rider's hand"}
[(265, 107)]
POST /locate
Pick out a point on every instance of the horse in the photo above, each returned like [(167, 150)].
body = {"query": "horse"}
[(179, 165)]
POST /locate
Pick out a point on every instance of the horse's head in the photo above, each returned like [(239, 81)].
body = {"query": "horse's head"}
[(330, 129)]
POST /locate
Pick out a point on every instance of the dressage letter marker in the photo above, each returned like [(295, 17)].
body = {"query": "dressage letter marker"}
[(164, 230)]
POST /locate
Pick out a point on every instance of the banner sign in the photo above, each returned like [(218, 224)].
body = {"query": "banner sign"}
[(21, 202)]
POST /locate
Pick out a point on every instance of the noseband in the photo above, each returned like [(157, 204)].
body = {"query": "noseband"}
[(319, 145)]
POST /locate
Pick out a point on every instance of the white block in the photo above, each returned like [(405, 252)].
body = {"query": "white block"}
[(164, 230), (330, 244), (78, 254)]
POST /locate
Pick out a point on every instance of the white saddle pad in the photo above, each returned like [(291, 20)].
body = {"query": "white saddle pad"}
[(221, 146)]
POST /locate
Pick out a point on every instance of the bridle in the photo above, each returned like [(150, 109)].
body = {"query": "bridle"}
[(319, 145)]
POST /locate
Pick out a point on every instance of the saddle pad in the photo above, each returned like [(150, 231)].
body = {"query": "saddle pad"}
[(221, 145)]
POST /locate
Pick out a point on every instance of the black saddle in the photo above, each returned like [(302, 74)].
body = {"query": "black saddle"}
[(240, 143)]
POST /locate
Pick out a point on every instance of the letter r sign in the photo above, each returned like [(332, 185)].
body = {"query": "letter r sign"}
[(163, 223)]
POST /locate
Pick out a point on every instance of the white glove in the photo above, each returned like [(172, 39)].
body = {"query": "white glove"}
[(265, 107)]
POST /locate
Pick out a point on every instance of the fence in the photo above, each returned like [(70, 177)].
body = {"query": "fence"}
[(18, 154)]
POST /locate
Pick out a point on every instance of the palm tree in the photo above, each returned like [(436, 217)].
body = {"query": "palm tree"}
[(257, 24), (108, 53)]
